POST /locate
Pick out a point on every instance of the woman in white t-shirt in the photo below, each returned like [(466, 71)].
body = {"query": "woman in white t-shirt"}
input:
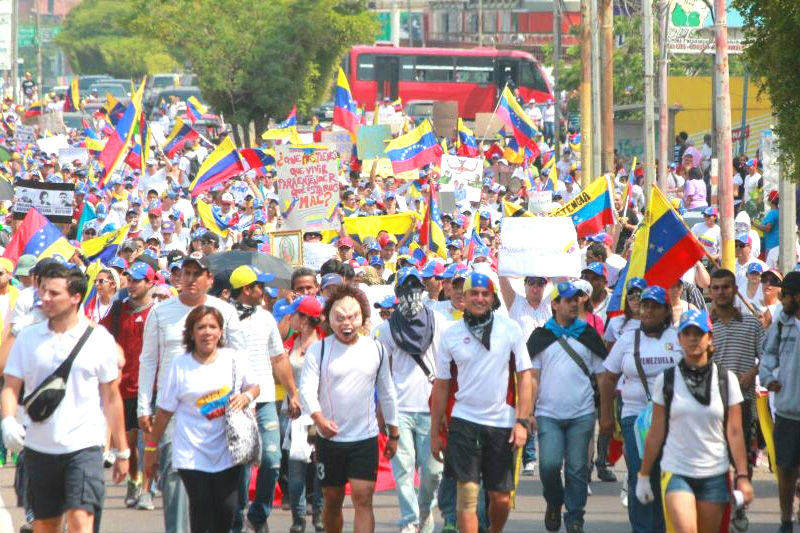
[(201, 385), (655, 343), (629, 320), (694, 461)]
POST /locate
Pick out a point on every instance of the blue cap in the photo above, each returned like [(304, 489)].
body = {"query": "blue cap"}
[(387, 302), (698, 319), (405, 273), (656, 294), (485, 214), (710, 212), (432, 269), (118, 262), (567, 179), (597, 268), (258, 203), (597, 237), (389, 195), (755, 268), (140, 270), (176, 264), (566, 289), (744, 238), (449, 271), (282, 308), (376, 262), (272, 292), (455, 243), (373, 246), (330, 279), (636, 283), (150, 253)]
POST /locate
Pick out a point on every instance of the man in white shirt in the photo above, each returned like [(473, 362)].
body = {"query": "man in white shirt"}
[(744, 247), (64, 451), (490, 416), (411, 339), (266, 357), (567, 355), (162, 341), (708, 232)]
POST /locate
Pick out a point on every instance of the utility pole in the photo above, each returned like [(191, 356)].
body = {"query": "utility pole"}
[(480, 22), (663, 112), (39, 73), (408, 25), (597, 122), (649, 103), (742, 131), (724, 141), (607, 17), (15, 48), (787, 230), (556, 61), (586, 93), (396, 23)]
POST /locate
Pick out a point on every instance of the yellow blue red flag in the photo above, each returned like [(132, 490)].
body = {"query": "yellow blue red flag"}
[(345, 113), (415, 149), (220, 165)]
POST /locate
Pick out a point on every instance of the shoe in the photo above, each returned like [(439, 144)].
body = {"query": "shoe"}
[(588, 489), (529, 469), (132, 494), (27, 527), (605, 474), (552, 518), (575, 528), (317, 521), (145, 502), (409, 528), (623, 496), (298, 526), (449, 528), (740, 520), (786, 527)]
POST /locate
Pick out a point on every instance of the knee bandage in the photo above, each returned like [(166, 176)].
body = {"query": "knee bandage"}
[(467, 496)]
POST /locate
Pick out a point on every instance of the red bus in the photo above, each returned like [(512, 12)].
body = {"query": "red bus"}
[(473, 77)]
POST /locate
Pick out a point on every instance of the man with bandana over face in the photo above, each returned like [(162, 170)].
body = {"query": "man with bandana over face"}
[(411, 338), (485, 358)]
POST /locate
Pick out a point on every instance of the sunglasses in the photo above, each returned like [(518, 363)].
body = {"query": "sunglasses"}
[(740, 245), (536, 282)]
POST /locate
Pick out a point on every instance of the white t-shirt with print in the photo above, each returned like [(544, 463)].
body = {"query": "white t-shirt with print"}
[(695, 445), (656, 353), (197, 394)]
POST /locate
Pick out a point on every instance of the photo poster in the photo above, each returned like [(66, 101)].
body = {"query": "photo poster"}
[(53, 200), (308, 188), (556, 252)]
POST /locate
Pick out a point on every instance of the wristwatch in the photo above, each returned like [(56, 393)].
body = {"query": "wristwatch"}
[(524, 423), (122, 454)]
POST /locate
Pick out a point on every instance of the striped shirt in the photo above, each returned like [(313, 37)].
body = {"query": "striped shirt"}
[(738, 344)]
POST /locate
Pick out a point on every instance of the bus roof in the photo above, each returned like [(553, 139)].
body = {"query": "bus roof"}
[(400, 50)]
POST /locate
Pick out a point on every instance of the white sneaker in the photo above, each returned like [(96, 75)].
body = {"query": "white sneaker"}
[(409, 528), (529, 468), (588, 489), (623, 496)]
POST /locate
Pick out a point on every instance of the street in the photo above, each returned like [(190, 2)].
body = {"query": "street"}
[(605, 514)]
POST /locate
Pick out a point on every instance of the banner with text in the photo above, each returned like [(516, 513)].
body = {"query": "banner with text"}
[(556, 252), (307, 186)]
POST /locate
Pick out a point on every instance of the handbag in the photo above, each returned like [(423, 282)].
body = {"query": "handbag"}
[(45, 398), (643, 420), (241, 431)]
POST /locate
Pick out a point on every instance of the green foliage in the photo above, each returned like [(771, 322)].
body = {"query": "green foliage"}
[(773, 34)]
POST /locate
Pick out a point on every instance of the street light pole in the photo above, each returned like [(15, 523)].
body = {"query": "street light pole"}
[(663, 112), (597, 124), (649, 103), (585, 93), (556, 61), (724, 141), (15, 48), (608, 85)]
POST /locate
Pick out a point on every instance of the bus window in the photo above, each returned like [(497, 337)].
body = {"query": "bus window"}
[(406, 68), (366, 67), (433, 68), (531, 77), (474, 69)]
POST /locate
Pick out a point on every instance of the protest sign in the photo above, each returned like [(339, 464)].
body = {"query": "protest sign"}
[(555, 254), (25, 134), (51, 145), (487, 125), (53, 200), (539, 201), (466, 171), (68, 155), (316, 253), (445, 118), (385, 169), (370, 142), (307, 186), (447, 200), (341, 142)]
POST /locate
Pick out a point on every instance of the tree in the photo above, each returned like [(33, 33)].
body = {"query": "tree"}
[(773, 37)]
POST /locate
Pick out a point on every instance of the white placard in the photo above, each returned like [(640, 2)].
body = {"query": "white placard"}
[(25, 134), (546, 247), (316, 253), (460, 172), (52, 145), (68, 155), (539, 201)]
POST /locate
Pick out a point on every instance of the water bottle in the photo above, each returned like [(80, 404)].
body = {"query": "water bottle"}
[(738, 499)]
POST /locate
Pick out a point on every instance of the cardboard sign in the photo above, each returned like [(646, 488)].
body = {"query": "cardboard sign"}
[(53, 200), (25, 134), (52, 145), (487, 125), (308, 187), (445, 118), (556, 253), (460, 172), (370, 142), (341, 142), (539, 201)]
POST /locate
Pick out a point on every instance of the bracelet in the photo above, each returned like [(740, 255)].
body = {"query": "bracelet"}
[(122, 454), (738, 476), (150, 448), (524, 423)]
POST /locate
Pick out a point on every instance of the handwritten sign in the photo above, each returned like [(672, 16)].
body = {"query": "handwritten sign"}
[(68, 155), (539, 201), (556, 252), (308, 188), (371, 140), (25, 134), (341, 142)]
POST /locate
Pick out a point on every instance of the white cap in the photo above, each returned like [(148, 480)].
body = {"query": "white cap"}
[(227, 198)]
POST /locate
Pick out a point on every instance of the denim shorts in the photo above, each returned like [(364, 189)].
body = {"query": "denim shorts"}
[(705, 489)]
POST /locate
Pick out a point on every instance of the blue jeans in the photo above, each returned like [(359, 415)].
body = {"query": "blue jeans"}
[(414, 450), (447, 503), (173, 493), (268, 469), (567, 442), (298, 474), (529, 451), (643, 518)]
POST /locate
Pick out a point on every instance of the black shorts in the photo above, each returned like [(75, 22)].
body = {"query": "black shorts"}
[(476, 452), (129, 408), (787, 442), (61, 482), (339, 461)]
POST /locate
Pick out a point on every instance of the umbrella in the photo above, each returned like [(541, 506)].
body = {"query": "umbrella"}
[(227, 261)]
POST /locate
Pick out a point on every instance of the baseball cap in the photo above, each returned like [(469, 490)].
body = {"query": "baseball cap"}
[(744, 238), (155, 211), (773, 196), (406, 273), (656, 294), (385, 239), (198, 259), (376, 262), (584, 286), (637, 283), (711, 212), (346, 242), (696, 318), (244, 275), (373, 246), (596, 268), (308, 305), (118, 262), (433, 269), (139, 271), (330, 279), (455, 243), (227, 198), (485, 214), (772, 273), (755, 268), (601, 237), (479, 280), (25, 263), (565, 289), (272, 292), (387, 302)]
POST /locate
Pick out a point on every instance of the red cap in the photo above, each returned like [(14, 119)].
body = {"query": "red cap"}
[(155, 211), (310, 306), (773, 196), (346, 241)]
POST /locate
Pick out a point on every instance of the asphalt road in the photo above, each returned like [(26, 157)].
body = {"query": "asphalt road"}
[(605, 513)]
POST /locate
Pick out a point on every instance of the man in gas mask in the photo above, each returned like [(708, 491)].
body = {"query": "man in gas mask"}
[(411, 339)]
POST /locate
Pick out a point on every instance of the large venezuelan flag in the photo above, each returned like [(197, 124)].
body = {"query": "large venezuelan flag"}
[(34, 110), (591, 210), (415, 149), (72, 102), (220, 165), (37, 236), (210, 219), (120, 141), (345, 114), (515, 118), (181, 134)]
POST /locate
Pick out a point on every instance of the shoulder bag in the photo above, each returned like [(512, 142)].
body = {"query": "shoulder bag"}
[(241, 430)]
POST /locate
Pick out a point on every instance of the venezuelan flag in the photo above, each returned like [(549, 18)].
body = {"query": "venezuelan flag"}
[(119, 142), (211, 221), (257, 159), (514, 210), (591, 210), (194, 109), (34, 110), (513, 116), (37, 236), (181, 134), (291, 119), (220, 165), (415, 149), (467, 145), (551, 171), (72, 102), (431, 233), (114, 109), (399, 224), (105, 247), (345, 114), (475, 243)]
